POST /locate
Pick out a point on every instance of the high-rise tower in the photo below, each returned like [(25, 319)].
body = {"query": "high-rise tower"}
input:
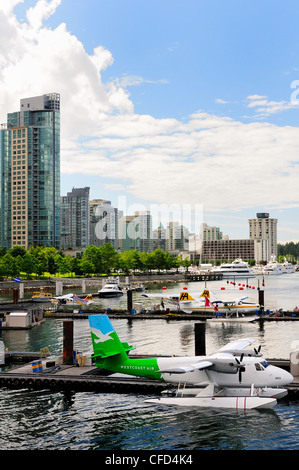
[(263, 230), (30, 174)]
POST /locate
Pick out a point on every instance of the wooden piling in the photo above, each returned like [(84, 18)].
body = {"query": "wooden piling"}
[(200, 339), (68, 348), (129, 300)]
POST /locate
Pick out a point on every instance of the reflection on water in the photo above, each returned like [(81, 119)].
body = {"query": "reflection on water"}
[(44, 420)]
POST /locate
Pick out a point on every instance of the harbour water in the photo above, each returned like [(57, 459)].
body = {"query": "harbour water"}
[(123, 422)]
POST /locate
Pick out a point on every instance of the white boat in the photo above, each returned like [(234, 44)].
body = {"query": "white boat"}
[(288, 268), (237, 269), (273, 268), (111, 289)]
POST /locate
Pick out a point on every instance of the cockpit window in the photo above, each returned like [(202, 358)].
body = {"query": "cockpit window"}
[(261, 365)]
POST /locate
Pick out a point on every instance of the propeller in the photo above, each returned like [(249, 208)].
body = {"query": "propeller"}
[(240, 366), (257, 351)]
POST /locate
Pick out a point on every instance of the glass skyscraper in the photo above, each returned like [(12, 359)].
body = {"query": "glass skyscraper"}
[(30, 174)]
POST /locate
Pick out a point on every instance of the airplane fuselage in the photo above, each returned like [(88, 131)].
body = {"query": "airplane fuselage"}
[(256, 371)]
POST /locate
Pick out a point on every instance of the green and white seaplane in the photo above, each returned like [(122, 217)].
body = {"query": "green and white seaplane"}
[(232, 377)]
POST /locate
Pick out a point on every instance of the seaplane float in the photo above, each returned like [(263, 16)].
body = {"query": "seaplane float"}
[(233, 377)]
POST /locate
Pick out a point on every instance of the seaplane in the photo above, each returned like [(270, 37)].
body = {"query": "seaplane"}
[(172, 298), (72, 299), (228, 310), (233, 377)]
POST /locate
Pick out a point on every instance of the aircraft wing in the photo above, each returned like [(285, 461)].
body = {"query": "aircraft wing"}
[(66, 296), (152, 295), (238, 299), (188, 368), (237, 345)]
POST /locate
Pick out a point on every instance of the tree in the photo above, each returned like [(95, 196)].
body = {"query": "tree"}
[(28, 264), (10, 265), (109, 258), (86, 267), (18, 251)]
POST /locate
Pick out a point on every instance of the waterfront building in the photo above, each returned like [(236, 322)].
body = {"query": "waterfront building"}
[(207, 234), (30, 174), (227, 250), (177, 237), (135, 232), (159, 238), (103, 219), (263, 230), (210, 233), (75, 219)]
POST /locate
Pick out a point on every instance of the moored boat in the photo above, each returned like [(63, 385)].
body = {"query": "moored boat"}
[(237, 269), (41, 296), (111, 289)]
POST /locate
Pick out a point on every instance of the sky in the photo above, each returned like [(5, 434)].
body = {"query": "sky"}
[(187, 108)]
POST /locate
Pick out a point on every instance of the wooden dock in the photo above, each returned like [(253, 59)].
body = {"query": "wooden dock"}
[(201, 277)]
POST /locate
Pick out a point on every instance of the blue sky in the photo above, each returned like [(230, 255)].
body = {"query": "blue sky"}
[(192, 103)]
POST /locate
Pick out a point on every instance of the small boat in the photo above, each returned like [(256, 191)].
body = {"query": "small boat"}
[(41, 296), (111, 289), (139, 288)]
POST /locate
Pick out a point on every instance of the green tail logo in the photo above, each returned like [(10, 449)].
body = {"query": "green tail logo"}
[(111, 354)]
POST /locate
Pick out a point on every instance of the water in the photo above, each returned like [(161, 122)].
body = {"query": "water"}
[(90, 421)]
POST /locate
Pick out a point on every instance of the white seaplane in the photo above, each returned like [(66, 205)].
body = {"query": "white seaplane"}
[(71, 300), (172, 298), (232, 377), (226, 310)]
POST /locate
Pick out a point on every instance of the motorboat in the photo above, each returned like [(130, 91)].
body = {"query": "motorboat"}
[(111, 289), (237, 269), (41, 296), (273, 268)]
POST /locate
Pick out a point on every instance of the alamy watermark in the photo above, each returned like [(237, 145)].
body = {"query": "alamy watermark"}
[(295, 94), (139, 220)]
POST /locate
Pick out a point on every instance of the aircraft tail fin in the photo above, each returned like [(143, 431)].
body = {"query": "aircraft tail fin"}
[(185, 297), (105, 340)]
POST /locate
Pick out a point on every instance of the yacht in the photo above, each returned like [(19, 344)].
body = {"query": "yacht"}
[(111, 289), (288, 268), (273, 268), (237, 269)]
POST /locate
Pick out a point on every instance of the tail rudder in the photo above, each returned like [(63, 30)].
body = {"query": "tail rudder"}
[(105, 340), (185, 297)]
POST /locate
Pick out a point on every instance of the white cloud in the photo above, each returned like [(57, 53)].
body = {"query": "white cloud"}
[(206, 159), (266, 107)]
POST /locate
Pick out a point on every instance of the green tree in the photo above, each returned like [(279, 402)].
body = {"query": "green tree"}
[(86, 267), (109, 258)]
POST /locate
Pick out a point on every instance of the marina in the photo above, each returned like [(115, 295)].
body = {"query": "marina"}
[(76, 397)]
